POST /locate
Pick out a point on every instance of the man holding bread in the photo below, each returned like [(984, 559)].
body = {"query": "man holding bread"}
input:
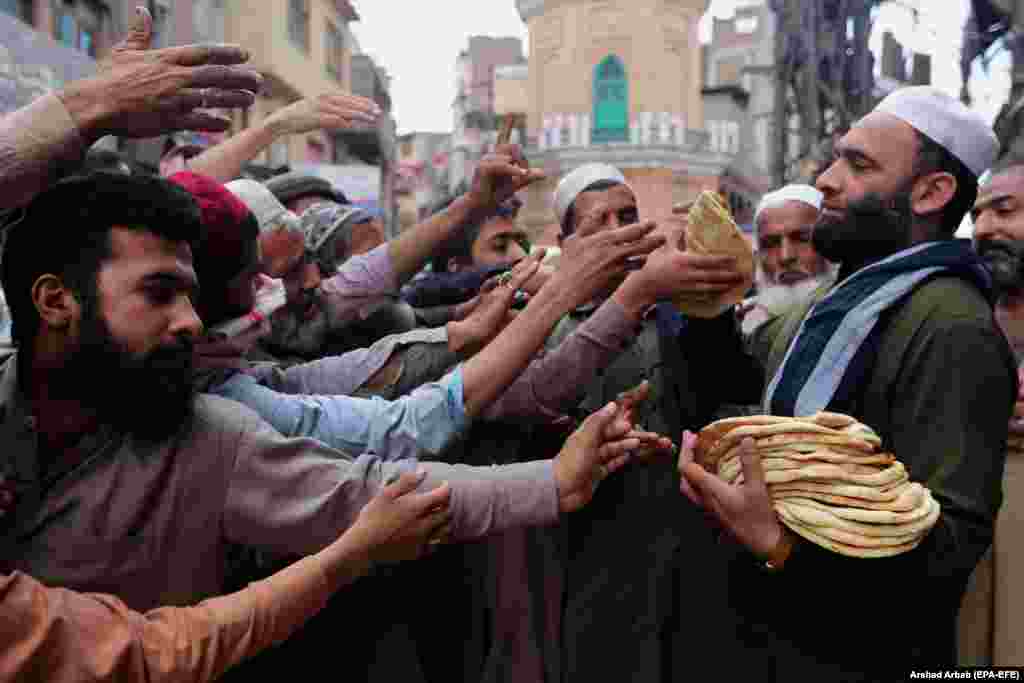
[(906, 343), (624, 616)]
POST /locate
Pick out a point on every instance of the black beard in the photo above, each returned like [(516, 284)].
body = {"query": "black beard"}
[(871, 229), (149, 397), (1005, 261)]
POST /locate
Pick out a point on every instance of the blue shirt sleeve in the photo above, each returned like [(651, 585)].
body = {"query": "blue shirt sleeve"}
[(426, 421)]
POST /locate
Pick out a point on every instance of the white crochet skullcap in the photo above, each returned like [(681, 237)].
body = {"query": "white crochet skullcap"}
[(270, 213)]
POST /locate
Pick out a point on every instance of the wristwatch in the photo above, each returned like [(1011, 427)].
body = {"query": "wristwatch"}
[(777, 556)]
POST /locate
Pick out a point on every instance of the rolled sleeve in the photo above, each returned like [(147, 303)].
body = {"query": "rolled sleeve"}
[(38, 143)]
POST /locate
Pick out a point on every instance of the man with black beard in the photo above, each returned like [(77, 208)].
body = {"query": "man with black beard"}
[(163, 375), (116, 492), (906, 342)]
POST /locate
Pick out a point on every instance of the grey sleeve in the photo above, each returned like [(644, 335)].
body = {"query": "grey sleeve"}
[(295, 495), (554, 383)]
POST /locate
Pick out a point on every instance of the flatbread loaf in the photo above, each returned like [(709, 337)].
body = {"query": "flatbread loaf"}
[(873, 517), (849, 550), (857, 539), (828, 479), (710, 229), (824, 516)]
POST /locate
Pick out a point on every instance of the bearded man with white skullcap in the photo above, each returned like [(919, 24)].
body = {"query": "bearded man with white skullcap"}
[(618, 613), (905, 342), (789, 269)]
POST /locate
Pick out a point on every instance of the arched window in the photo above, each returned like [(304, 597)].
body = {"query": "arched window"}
[(611, 101)]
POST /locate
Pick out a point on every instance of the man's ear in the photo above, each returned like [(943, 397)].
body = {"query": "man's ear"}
[(931, 193), (55, 302)]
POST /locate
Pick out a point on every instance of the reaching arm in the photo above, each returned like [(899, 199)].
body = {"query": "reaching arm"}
[(54, 634), (329, 112), (423, 423), (59, 635), (498, 176), (136, 93)]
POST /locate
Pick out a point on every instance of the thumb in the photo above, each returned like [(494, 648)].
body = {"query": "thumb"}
[(596, 424), (140, 33), (406, 483), (753, 472)]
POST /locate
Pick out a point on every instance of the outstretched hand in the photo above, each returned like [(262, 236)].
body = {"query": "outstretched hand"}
[(652, 446), (399, 524), (599, 447), (592, 264), (491, 310), (672, 270), (331, 111), (744, 510), (139, 92), (500, 175)]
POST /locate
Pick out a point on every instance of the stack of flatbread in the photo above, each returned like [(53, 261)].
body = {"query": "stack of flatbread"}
[(710, 229), (828, 480)]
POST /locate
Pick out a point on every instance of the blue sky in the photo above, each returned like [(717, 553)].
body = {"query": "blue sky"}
[(417, 42)]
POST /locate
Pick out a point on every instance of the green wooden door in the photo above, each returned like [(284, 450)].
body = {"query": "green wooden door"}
[(611, 102)]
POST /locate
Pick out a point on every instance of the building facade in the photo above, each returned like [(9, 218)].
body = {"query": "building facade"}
[(422, 179), (739, 101), (474, 124), (617, 81)]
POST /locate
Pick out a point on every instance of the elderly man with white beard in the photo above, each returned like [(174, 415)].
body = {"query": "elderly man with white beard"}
[(789, 269)]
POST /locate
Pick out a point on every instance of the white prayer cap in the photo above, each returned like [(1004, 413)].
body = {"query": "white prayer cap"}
[(580, 179), (789, 193), (270, 213), (960, 131)]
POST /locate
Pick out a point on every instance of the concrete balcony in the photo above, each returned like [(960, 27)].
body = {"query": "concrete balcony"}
[(371, 146), (694, 157)]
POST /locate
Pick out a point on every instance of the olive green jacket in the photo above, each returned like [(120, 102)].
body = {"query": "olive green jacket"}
[(940, 394)]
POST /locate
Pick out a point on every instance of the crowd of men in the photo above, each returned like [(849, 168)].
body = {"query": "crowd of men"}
[(224, 401)]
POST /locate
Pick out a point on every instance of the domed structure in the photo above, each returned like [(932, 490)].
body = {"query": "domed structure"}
[(617, 81)]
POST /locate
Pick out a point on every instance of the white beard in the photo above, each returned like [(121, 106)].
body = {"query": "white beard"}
[(775, 299), (778, 298)]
